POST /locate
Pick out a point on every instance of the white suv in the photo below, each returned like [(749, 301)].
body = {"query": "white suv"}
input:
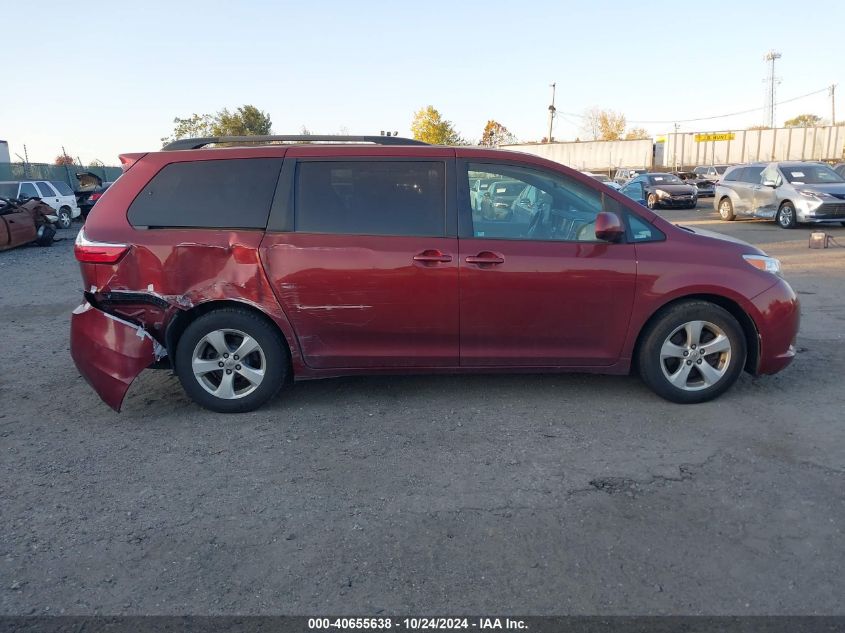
[(55, 193)]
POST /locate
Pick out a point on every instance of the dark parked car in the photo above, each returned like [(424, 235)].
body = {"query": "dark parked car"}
[(91, 198), (661, 190), (706, 188), (246, 268)]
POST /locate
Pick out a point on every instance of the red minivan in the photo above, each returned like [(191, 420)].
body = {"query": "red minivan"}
[(266, 260)]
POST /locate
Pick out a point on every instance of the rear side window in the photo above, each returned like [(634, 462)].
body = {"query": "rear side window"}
[(62, 188), (752, 174), (231, 193), (371, 198), (733, 174)]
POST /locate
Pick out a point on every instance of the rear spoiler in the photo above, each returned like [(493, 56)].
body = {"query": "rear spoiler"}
[(127, 160)]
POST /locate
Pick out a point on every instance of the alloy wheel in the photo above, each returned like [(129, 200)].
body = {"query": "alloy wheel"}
[(695, 356), (228, 363)]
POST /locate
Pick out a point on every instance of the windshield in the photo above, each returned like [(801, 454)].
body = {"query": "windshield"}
[(665, 179), (810, 175), (720, 169), (600, 177), (8, 189)]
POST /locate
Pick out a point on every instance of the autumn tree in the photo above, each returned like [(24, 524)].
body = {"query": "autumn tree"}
[(430, 127), (604, 125), (64, 159), (636, 134), (804, 120), (496, 134), (245, 121)]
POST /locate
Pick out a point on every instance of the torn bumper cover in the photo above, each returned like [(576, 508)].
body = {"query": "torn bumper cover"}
[(110, 352)]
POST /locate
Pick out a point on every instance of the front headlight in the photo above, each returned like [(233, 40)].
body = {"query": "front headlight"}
[(660, 193), (820, 195), (763, 262)]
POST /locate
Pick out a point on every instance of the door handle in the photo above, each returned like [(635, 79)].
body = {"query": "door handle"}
[(485, 257), (432, 256)]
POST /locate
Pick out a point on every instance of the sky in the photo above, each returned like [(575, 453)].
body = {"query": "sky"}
[(107, 78)]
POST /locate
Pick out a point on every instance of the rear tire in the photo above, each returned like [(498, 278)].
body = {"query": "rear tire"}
[(65, 219), (216, 376), (786, 217), (726, 210), (670, 361)]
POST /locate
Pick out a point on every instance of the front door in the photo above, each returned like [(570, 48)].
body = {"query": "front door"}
[(369, 275), (537, 287)]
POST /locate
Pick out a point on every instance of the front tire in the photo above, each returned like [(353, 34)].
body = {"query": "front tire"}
[(65, 218), (786, 217), (726, 210), (692, 353), (231, 360)]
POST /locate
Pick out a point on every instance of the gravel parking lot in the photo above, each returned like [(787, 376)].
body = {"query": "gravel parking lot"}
[(479, 494)]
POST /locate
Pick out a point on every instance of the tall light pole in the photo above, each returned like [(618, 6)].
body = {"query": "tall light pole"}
[(551, 112), (833, 104), (771, 57)]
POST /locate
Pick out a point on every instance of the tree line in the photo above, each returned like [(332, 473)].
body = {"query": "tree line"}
[(428, 125)]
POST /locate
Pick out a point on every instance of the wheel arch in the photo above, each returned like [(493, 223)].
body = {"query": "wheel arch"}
[(182, 319), (749, 329)]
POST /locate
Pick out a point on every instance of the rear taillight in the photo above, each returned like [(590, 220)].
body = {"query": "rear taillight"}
[(91, 252), (95, 196)]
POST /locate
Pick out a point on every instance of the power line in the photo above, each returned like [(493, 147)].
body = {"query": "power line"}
[(709, 118)]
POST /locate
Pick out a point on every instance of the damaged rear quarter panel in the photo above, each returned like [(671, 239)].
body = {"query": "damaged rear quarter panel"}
[(176, 270)]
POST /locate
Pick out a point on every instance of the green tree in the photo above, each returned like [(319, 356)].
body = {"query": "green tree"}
[(496, 134), (430, 127), (804, 120), (245, 121)]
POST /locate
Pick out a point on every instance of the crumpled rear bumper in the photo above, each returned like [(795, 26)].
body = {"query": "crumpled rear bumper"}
[(110, 352)]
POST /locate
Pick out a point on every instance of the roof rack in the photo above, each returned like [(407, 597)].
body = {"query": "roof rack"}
[(197, 143)]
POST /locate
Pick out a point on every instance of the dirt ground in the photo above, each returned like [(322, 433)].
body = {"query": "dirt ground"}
[(562, 494)]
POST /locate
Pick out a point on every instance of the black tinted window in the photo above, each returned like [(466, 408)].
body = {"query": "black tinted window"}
[(371, 198), (45, 190), (234, 193), (752, 174), (733, 174)]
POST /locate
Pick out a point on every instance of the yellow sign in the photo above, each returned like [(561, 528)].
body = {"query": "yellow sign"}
[(723, 136)]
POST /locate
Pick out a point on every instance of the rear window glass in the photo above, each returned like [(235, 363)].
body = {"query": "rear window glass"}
[(28, 191), (371, 198), (232, 193), (62, 188)]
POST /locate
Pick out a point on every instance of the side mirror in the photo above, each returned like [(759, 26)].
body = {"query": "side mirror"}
[(770, 183), (609, 227)]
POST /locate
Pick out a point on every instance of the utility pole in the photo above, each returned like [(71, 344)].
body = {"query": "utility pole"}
[(552, 112), (675, 146), (833, 104), (772, 56)]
